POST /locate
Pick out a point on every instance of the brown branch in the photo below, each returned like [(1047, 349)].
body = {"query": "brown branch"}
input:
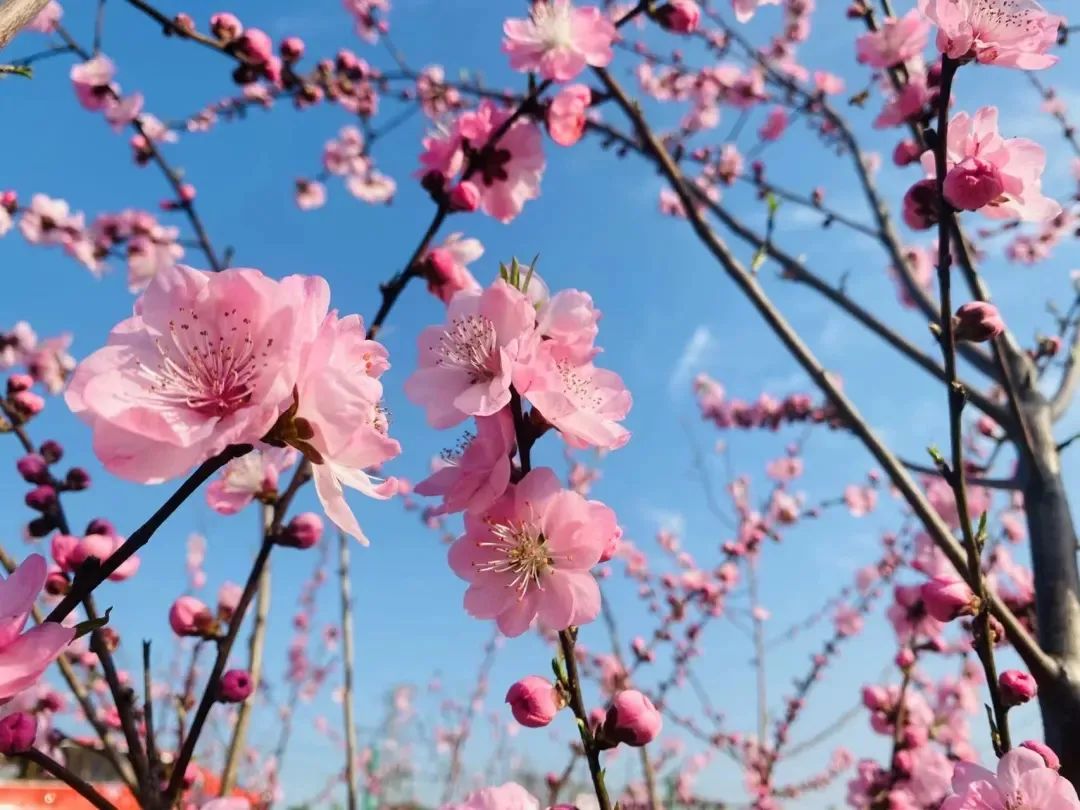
[(80, 786), (1042, 666)]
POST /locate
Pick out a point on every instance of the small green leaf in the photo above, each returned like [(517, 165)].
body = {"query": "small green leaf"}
[(90, 625), (25, 71)]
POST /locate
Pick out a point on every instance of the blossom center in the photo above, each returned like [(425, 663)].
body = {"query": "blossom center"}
[(469, 344), (578, 388), (519, 549), (213, 375), (554, 26), (1003, 17)]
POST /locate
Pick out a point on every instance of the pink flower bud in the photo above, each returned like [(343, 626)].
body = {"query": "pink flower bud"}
[(101, 526), (235, 686), (27, 403), (978, 321), (679, 16), (56, 583), (1017, 687), (9, 200), (534, 701), (921, 210), (464, 197), (190, 617), (906, 153), (1045, 751), (303, 531), (33, 469), (291, 49), (905, 658), (64, 550), (946, 598), (41, 498), (17, 733), (632, 719), (77, 479), (228, 598), (225, 26), (973, 184), (566, 114), (51, 450), (255, 46), (19, 382)]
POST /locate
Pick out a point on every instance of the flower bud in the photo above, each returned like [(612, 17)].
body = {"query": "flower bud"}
[(27, 403), (291, 49), (40, 526), (77, 479), (17, 733), (228, 598), (190, 617), (19, 382), (679, 16), (1045, 751), (946, 598), (225, 26), (303, 531), (464, 196), (905, 658), (978, 321), (235, 686), (921, 210), (101, 526), (906, 153), (632, 719), (33, 468), (56, 583), (51, 450), (534, 701), (255, 46), (1016, 687), (41, 498)]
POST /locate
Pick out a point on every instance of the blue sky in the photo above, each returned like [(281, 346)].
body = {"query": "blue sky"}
[(668, 313)]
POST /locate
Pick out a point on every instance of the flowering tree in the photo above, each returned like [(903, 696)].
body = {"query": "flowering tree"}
[(254, 386)]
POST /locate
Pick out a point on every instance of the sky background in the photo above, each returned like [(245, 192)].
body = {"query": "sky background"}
[(668, 314)]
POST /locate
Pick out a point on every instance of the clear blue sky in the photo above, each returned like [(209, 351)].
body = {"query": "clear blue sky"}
[(668, 313)]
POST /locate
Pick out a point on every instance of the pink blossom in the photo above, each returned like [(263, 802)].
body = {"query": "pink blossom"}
[(505, 174), (310, 194), (474, 478), (1010, 33), (1022, 780), (895, 42), (466, 367), (745, 9), (46, 20), (254, 475), (24, 656), (93, 83), (828, 83), (973, 184), (206, 361), (101, 547), (534, 701), (1019, 162), (447, 269), (566, 114), (559, 40), (337, 420), (775, 124), (436, 97), (860, 500), (530, 553), (632, 719), (510, 796)]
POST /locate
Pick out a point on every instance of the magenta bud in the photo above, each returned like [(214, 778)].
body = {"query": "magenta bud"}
[(291, 49), (19, 382), (225, 26), (52, 451), (921, 210), (947, 598), (534, 701), (56, 583), (235, 686), (679, 16), (303, 531), (190, 617), (1017, 687), (464, 197), (27, 403), (41, 526), (632, 719), (42, 498), (33, 468), (977, 322), (17, 733), (77, 479), (101, 526)]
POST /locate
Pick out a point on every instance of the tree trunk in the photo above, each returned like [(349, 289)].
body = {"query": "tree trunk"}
[(1057, 586)]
